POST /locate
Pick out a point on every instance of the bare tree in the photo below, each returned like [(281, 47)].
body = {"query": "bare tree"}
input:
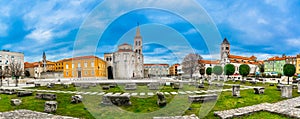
[(7, 73), (191, 63), (16, 70)]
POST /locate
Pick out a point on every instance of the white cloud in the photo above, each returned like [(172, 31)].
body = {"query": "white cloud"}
[(41, 36), (3, 29)]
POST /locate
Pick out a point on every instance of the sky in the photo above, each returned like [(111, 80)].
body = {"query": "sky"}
[(263, 28)]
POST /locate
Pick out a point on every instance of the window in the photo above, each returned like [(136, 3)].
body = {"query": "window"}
[(92, 72), (86, 72), (67, 66), (85, 64), (227, 48), (67, 73), (92, 64), (79, 65), (72, 65)]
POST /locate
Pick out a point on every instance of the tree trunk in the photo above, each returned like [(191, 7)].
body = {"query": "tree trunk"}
[(1, 81), (17, 81)]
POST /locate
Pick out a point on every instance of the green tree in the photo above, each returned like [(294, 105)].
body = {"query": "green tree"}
[(208, 71), (229, 69), (261, 69), (244, 70), (289, 70), (202, 71), (217, 70)]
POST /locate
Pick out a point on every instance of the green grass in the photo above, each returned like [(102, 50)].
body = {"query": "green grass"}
[(65, 107), (146, 106)]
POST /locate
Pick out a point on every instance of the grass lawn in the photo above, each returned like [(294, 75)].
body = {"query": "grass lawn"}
[(147, 107)]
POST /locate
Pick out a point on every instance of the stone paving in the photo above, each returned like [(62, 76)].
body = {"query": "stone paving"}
[(287, 107), (28, 114)]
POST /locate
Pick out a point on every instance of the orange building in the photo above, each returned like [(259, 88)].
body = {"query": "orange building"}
[(173, 70), (84, 66)]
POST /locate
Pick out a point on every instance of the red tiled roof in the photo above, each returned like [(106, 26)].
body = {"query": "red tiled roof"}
[(242, 57), (80, 57), (209, 61)]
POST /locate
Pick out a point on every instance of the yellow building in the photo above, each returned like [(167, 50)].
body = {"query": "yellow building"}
[(173, 70), (298, 64), (84, 66), (59, 65)]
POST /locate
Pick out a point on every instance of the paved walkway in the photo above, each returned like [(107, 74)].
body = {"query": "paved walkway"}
[(28, 114), (288, 107)]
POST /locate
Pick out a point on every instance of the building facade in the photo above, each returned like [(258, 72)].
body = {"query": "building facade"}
[(274, 65), (127, 62), (174, 70), (298, 64), (156, 70), (84, 66), (7, 58)]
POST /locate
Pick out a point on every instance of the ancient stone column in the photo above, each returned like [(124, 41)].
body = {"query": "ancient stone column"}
[(236, 90), (286, 91)]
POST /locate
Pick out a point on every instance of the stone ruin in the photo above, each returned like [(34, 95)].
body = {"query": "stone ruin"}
[(161, 100), (200, 85), (279, 87), (50, 85), (37, 85), (24, 93), (236, 90), (8, 91), (176, 85), (15, 102), (50, 106), (76, 99), (202, 98), (153, 86), (286, 91), (47, 96), (130, 86), (259, 90), (105, 87), (65, 85), (116, 99)]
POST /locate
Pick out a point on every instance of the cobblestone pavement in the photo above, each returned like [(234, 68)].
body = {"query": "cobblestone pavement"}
[(28, 114), (287, 107)]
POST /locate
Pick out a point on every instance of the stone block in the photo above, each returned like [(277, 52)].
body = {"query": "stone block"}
[(50, 106), (24, 93), (161, 100), (286, 91), (259, 90), (200, 85), (47, 96), (177, 85), (50, 85), (37, 85), (9, 91), (130, 86), (15, 102), (105, 87), (119, 100), (76, 99), (279, 87), (202, 98), (236, 90), (153, 86)]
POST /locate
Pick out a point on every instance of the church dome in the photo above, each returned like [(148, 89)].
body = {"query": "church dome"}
[(125, 48)]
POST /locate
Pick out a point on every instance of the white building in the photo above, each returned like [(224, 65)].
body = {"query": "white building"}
[(156, 70), (7, 58), (127, 62)]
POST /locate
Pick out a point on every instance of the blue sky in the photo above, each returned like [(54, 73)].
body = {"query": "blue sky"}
[(263, 28)]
